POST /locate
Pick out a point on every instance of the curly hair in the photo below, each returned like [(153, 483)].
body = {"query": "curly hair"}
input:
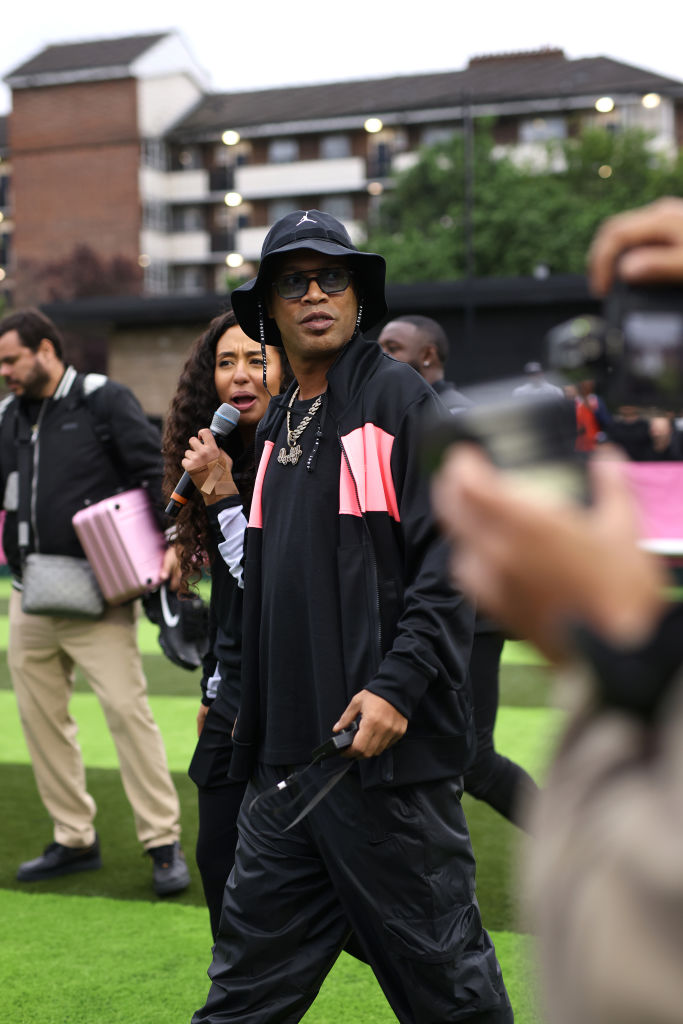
[(192, 408)]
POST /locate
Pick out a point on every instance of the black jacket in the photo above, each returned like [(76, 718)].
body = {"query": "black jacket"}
[(225, 614), (407, 633), (84, 449), (453, 399)]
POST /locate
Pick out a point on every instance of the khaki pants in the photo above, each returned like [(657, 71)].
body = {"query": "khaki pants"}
[(43, 651)]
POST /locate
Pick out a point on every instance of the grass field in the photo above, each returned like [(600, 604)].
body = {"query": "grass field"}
[(99, 948)]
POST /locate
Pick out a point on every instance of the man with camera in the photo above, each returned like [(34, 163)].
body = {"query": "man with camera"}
[(349, 618), (68, 440), (604, 873)]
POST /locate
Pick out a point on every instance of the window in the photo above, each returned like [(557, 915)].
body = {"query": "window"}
[(281, 207), (437, 133), (283, 151), (154, 154), (189, 280), (188, 218), (542, 129), (340, 207), (4, 191), (156, 278), (187, 158), (335, 147), (155, 216)]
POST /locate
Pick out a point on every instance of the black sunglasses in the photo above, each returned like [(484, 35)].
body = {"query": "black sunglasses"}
[(329, 279)]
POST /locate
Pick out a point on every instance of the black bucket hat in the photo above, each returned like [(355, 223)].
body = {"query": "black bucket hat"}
[(309, 229)]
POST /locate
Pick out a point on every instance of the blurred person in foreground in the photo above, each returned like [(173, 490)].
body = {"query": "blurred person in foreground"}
[(422, 342), (605, 870)]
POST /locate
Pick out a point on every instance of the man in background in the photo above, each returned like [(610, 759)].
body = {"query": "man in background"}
[(422, 343), (88, 438)]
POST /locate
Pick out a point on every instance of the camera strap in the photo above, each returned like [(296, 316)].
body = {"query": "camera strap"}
[(26, 435), (308, 786)]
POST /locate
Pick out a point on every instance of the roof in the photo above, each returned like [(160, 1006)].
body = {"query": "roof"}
[(97, 54), (507, 77)]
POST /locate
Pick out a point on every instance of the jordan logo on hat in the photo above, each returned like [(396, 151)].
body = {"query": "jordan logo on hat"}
[(306, 219)]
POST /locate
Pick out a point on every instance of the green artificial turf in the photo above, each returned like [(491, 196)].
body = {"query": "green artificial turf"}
[(102, 961), (99, 948)]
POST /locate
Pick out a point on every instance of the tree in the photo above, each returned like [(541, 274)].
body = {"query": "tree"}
[(522, 217), (81, 274)]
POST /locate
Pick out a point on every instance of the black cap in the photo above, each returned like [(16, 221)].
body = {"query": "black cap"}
[(319, 232)]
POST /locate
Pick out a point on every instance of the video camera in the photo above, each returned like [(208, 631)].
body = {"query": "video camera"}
[(634, 353)]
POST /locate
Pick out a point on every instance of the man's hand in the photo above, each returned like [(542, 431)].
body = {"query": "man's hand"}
[(209, 467), (201, 717), (538, 566), (643, 246), (381, 725), (170, 569)]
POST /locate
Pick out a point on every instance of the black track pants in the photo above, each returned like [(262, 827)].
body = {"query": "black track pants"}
[(219, 802), (394, 865), (502, 783)]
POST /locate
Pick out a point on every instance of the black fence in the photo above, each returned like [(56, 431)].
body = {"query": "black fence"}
[(494, 325)]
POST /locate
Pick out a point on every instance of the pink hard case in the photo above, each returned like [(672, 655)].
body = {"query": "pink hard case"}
[(123, 544)]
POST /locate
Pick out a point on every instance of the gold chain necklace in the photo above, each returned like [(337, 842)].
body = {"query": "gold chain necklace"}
[(294, 454)]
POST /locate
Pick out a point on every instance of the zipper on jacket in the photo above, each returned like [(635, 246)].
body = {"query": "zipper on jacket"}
[(380, 644), (35, 441)]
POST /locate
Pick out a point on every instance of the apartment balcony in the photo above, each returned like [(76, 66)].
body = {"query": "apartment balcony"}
[(174, 186), (304, 177), (177, 246)]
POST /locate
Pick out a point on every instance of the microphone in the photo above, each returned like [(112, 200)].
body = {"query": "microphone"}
[(225, 419)]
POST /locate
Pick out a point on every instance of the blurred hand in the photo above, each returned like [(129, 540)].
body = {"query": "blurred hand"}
[(381, 725), (170, 569), (537, 565), (642, 246)]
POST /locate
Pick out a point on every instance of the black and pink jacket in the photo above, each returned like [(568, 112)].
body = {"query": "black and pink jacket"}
[(406, 632)]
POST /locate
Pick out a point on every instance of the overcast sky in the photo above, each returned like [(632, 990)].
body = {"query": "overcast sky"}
[(277, 42)]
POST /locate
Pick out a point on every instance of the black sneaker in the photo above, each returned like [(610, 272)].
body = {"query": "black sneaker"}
[(60, 860), (170, 870), (183, 625)]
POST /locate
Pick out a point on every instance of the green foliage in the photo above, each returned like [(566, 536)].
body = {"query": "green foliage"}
[(521, 216)]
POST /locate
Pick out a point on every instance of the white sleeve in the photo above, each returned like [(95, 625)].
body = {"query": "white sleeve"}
[(233, 524), (212, 683)]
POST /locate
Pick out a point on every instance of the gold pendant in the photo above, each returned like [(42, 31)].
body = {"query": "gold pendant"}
[(291, 457)]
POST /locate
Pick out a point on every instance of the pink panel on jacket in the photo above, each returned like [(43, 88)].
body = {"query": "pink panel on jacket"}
[(369, 451), (256, 514)]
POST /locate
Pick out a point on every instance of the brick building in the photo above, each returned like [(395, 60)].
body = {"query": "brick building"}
[(122, 174), (118, 145)]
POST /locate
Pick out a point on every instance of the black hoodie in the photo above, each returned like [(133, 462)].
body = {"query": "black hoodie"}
[(406, 633)]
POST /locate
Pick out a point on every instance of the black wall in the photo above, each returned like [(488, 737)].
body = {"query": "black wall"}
[(494, 325)]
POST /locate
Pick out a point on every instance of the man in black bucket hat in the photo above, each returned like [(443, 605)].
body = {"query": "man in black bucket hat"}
[(349, 620)]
